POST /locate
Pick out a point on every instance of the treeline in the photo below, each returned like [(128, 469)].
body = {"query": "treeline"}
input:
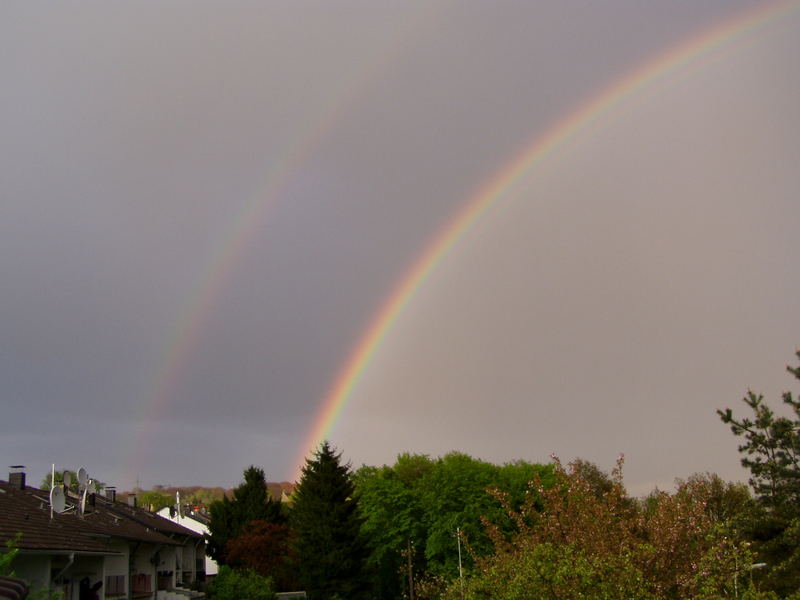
[(458, 528)]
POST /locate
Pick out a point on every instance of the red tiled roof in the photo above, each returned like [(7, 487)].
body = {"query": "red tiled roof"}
[(28, 511)]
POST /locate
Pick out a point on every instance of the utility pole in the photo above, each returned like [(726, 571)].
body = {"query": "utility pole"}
[(410, 572), (460, 571)]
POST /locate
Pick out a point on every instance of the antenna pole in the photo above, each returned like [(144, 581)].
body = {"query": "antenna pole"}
[(52, 485)]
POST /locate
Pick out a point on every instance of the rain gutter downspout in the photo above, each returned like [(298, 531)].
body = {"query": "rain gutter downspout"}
[(64, 570)]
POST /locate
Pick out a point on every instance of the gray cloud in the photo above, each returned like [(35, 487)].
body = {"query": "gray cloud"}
[(625, 291)]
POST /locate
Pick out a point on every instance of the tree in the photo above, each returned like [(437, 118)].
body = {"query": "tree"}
[(47, 480), (394, 525), (154, 501), (771, 452), (263, 548), (328, 549), (230, 517), (571, 542)]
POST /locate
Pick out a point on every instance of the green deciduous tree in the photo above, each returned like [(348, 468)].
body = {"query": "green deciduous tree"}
[(231, 516), (329, 551), (414, 508), (154, 501)]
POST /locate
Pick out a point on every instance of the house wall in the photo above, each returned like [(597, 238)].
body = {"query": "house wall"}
[(116, 566), (83, 568), (187, 521), (167, 564), (34, 568), (141, 565)]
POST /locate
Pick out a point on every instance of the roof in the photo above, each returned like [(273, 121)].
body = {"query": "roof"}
[(28, 512), (145, 518)]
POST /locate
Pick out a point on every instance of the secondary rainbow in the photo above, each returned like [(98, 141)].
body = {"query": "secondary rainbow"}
[(249, 222), (632, 85)]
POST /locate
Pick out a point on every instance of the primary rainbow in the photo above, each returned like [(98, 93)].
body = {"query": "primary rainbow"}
[(633, 84)]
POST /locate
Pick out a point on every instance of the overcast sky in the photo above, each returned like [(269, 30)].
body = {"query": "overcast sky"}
[(204, 205)]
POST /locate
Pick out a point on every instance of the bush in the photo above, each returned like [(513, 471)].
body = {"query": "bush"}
[(232, 584)]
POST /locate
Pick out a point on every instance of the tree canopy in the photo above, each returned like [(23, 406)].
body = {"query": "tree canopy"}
[(328, 549), (771, 452), (231, 517)]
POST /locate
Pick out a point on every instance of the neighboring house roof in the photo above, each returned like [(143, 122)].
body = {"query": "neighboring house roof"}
[(146, 518), (190, 519), (28, 512)]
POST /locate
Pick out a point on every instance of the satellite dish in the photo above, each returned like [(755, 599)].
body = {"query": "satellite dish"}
[(67, 478), (57, 501), (83, 477)]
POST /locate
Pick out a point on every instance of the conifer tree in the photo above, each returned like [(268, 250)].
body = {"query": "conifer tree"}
[(329, 551), (231, 517)]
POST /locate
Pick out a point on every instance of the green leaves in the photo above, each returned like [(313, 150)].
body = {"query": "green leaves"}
[(230, 518), (230, 584)]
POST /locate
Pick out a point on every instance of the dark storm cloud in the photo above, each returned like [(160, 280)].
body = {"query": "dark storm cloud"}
[(137, 135)]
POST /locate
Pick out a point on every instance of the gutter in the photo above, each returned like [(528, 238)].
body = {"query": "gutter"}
[(71, 560)]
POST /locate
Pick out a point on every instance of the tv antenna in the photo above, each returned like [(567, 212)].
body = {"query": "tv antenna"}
[(58, 502), (84, 486)]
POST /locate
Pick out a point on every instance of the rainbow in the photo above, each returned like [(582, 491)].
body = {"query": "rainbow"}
[(220, 267), (580, 120)]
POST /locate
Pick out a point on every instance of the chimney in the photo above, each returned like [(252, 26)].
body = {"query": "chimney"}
[(132, 500), (16, 477), (111, 493)]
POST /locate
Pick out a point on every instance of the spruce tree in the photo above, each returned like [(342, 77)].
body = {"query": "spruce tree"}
[(230, 518), (329, 550)]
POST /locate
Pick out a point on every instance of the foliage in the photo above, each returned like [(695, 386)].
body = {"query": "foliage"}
[(47, 480), (771, 452), (233, 584), (230, 517), (414, 508), (263, 548), (7, 557), (548, 570), (46, 483), (154, 501), (571, 542), (329, 551)]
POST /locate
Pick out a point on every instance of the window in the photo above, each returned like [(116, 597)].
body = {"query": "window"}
[(141, 585), (115, 585)]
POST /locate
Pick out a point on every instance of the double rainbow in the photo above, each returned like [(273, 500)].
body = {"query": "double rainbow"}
[(673, 62)]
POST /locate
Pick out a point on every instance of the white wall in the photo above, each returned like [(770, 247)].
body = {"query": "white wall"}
[(188, 522), (33, 568)]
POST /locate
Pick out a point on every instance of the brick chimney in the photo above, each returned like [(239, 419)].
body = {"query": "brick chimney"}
[(16, 477)]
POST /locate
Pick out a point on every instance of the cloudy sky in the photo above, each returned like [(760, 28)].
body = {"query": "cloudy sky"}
[(205, 205)]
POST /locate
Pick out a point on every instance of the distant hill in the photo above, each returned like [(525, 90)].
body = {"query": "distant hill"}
[(203, 496)]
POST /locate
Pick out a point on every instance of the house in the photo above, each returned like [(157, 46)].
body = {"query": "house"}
[(191, 518), (108, 550)]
